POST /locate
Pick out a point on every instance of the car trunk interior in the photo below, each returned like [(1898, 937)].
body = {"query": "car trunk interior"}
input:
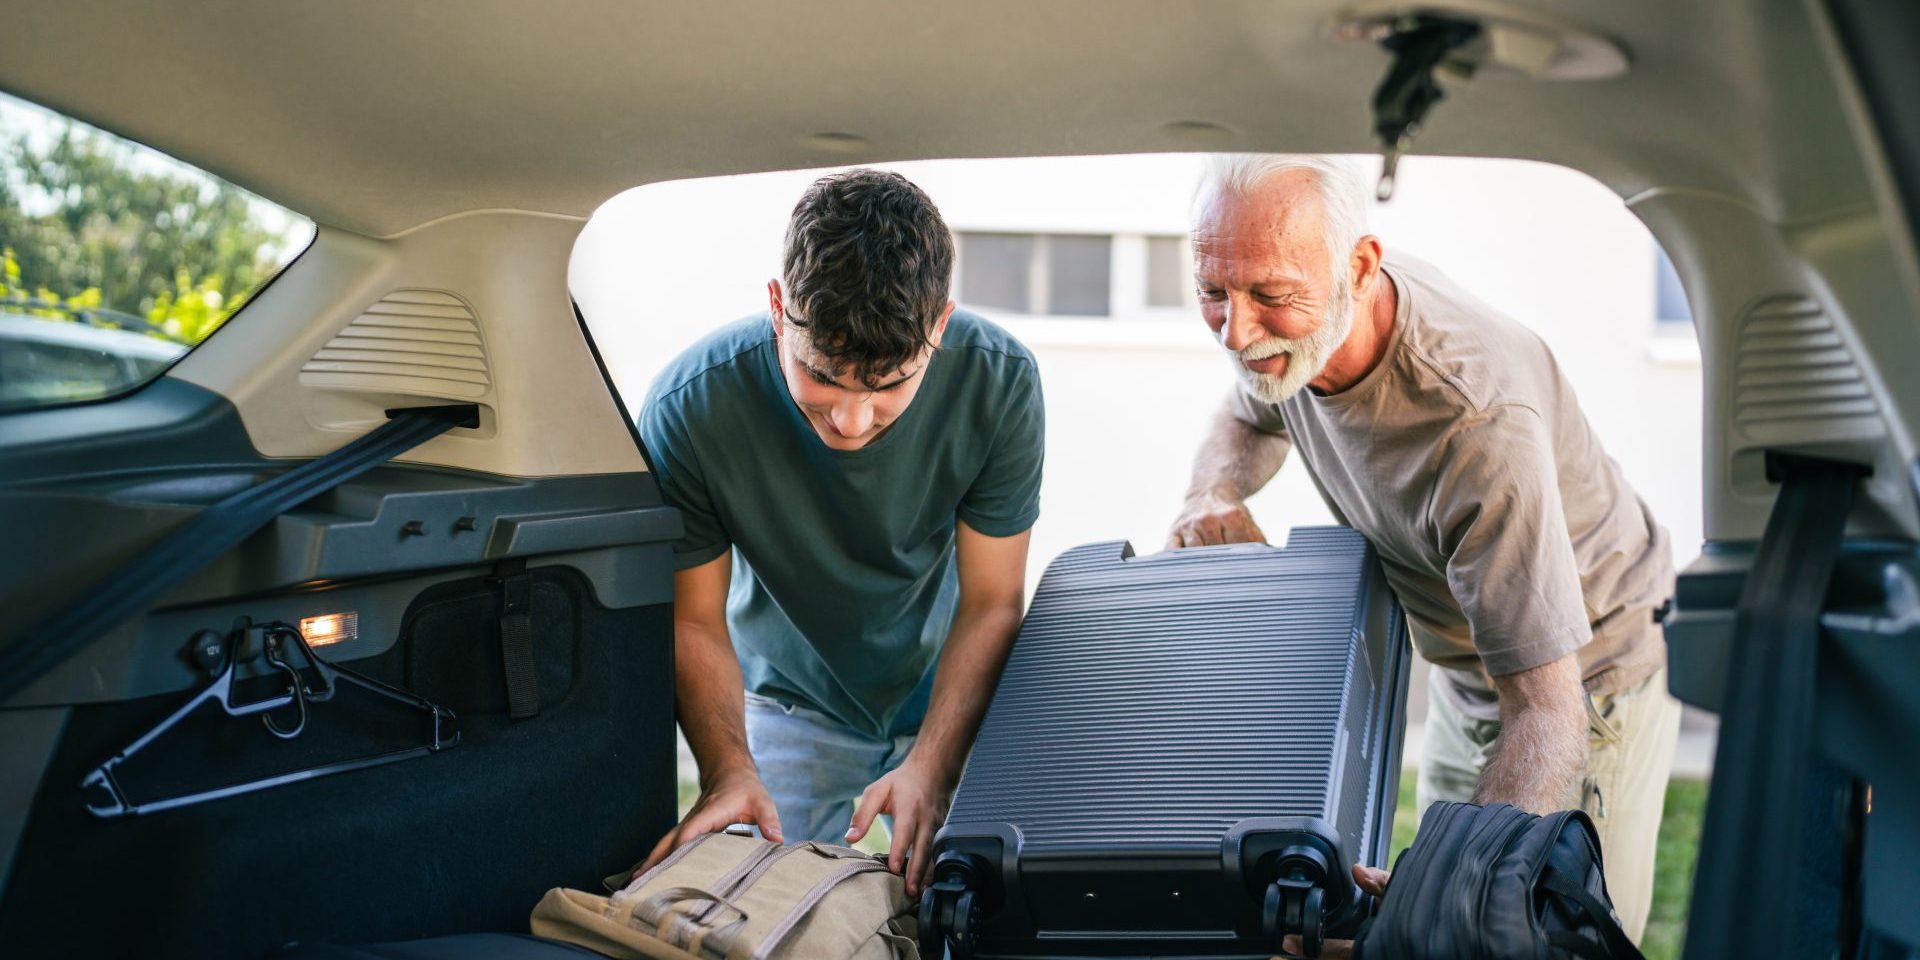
[(415, 560), (450, 160)]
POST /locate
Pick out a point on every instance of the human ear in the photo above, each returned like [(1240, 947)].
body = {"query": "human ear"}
[(1365, 264), (940, 328)]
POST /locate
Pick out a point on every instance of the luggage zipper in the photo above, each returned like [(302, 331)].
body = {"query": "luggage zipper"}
[(1515, 828)]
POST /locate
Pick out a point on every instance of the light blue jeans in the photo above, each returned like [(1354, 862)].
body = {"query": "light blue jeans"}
[(815, 766)]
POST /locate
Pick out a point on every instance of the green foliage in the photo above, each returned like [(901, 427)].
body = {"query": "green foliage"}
[(91, 222)]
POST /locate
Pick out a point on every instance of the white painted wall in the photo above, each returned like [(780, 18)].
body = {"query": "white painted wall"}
[(660, 265)]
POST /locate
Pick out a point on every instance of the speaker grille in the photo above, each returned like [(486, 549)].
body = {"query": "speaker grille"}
[(1795, 379), (422, 342)]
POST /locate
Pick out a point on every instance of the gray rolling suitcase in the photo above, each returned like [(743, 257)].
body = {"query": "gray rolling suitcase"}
[(1184, 754)]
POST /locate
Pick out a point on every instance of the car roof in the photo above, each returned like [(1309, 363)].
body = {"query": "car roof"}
[(377, 116)]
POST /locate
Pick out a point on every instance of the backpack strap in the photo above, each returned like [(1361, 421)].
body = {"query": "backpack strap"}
[(681, 929), (812, 899), (1575, 945), (1614, 944)]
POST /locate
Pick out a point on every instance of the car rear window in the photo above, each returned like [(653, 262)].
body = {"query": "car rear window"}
[(115, 259)]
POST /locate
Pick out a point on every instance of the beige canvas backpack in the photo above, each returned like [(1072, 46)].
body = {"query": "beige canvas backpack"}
[(729, 897)]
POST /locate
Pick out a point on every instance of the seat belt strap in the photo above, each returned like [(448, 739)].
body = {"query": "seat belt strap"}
[(1746, 899), (182, 552), (516, 640)]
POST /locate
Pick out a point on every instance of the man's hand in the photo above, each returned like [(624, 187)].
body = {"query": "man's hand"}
[(1234, 461), (1209, 519), (731, 798), (917, 797), (1373, 883)]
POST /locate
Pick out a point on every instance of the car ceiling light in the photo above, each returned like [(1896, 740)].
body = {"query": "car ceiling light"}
[(835, 141), (328, 628)]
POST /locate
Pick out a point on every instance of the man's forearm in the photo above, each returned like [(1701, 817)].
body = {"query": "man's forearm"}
[(1542, 748), (963, 684), (1235, 460), (712, 700), (1535, 764)]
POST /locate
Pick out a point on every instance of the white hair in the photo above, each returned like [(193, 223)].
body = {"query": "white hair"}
[(1343, 194)]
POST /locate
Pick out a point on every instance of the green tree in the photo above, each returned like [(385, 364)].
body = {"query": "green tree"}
[(92, 221)]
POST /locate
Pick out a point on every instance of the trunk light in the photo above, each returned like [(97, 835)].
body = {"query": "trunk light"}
[(330, 628)]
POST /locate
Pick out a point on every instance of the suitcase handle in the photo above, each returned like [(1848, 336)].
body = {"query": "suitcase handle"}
[(1213, 550)]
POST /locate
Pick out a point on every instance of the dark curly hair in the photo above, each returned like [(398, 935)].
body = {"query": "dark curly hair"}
[(868, 266)]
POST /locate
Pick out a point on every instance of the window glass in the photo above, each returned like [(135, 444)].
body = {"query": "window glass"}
[(1169, 281), (115, 259), (1079, 271), (996, 270), (1068, 275), (1670, 299)]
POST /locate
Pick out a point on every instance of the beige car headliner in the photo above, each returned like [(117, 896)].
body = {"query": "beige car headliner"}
[(377, 116)]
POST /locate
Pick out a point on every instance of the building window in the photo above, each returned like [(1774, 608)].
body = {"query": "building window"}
[(1079, 275), (996, 270), (1169, 279), (1669, 298), (1037, 273)]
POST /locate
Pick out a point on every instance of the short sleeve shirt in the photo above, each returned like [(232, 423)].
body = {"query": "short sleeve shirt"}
[(1508, 534), (844, 578)]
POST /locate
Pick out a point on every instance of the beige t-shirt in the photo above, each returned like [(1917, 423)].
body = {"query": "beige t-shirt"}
[(1509, 535)]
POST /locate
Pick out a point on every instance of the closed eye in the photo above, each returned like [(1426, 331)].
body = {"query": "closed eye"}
[(896, 384)]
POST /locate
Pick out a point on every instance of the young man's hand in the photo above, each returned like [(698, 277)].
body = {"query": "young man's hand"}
[(736, 797), (917, 797), (1373, 883)]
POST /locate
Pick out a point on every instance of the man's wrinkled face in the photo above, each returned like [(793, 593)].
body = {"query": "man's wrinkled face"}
[(1268, 288), (845, 411)]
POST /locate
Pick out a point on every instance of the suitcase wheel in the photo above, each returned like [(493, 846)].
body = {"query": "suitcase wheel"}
[(1294, 907), (947, 916)]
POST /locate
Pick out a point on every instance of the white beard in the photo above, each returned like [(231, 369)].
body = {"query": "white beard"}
[(1306, 356)]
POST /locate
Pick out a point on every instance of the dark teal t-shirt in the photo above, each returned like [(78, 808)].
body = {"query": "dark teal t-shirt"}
[(844, 582)]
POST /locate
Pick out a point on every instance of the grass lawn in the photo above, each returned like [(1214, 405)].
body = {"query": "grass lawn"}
[(1672, 867)]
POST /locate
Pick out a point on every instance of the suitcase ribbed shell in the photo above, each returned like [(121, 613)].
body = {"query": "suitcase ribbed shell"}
[(1152, 702)]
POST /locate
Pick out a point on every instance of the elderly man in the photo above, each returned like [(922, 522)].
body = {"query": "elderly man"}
[(858, 468), (1445, 433)]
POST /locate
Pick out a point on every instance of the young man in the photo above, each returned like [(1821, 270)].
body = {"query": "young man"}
[(1528, 568), (858, 469)]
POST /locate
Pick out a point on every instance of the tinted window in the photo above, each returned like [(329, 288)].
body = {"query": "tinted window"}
[(1046, 274), (996, 270), (1169, 279), (1670, 299), (1078, 275), (115, 259)]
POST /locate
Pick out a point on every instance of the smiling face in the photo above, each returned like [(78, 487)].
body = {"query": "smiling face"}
[(1268, 285), (846, 411)]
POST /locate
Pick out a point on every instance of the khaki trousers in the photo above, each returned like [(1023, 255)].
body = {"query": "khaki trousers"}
[(1630, 741)]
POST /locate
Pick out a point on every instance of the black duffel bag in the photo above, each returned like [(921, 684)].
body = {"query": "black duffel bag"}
[(1499, 883)]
